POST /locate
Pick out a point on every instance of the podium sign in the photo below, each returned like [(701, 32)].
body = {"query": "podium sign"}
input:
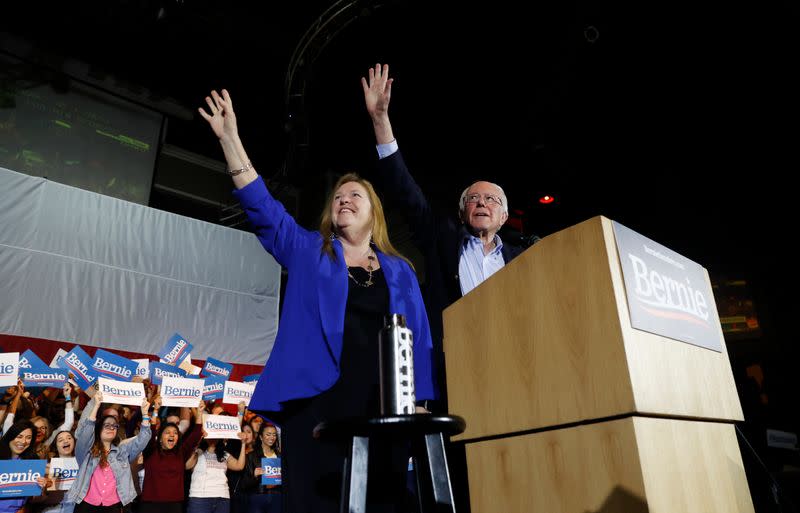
[(667, 293)]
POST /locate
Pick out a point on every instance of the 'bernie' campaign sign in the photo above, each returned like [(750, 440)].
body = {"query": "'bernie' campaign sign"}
[(43, 376), (272, 471), (122, 392), (9, 369), (216, 368), (175, 350), (79, 364), (213, 389), (18, 478), (113, 366), (28, 360), (159, 371), (184, 392)]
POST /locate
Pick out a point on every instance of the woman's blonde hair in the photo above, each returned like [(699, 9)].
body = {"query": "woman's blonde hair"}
[(47, 425), (380, 232)]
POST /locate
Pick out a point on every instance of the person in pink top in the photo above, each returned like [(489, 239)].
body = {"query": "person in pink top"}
[(104, 483)]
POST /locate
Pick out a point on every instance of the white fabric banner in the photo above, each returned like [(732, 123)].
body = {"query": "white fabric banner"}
[(77, 266)]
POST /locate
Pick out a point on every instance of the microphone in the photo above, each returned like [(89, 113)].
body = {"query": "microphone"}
[(529, 240), (518, 238)]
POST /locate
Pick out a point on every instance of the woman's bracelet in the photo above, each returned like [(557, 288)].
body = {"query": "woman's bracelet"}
[(246, 167)]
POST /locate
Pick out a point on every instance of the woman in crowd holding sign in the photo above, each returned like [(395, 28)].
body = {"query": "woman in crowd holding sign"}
[(209, 465), (104, 481), (263, 498), (17, 444), (343, 280), (164, 466), (62, 450), (44, 434)]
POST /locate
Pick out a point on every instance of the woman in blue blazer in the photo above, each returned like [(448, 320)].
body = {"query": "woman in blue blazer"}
[(342, 281)]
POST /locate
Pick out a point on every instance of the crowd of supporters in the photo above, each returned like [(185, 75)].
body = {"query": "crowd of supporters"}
[(135, 459)]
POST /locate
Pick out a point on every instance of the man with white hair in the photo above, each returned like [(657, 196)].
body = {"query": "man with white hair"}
[(458, 256), (483, 208)]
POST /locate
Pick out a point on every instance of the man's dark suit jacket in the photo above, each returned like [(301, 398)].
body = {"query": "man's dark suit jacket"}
[(438, 239)]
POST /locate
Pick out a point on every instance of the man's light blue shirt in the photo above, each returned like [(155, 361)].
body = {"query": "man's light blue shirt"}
[(473, 266)]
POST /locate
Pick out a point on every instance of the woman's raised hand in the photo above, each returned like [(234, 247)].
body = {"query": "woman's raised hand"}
[(220, 117)]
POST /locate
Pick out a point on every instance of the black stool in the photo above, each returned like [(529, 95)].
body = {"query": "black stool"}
[(425, 432)]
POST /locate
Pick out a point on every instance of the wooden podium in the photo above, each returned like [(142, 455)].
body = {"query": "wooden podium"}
[(570, 409)]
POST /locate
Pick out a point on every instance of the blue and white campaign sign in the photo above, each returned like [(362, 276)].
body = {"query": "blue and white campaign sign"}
[(221, 426), (9, 369), (79, 364), (667, 293), (113, 366), (181, 391), (63, 471), (143, 370), (217, 368), (272, 471), (159, 371), (18, 477), (213, 388), (56, 361), (122, 392), (236, 392), (29, 359), (252, 379), (175, 350), (43, 376)]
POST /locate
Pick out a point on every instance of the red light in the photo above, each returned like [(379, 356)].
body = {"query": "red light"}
[(546, 199)]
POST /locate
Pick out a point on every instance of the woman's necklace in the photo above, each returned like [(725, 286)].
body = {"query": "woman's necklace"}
[(369, 281)]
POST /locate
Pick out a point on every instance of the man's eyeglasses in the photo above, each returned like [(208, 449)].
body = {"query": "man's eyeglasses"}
[(111, 427), (489, 199)]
